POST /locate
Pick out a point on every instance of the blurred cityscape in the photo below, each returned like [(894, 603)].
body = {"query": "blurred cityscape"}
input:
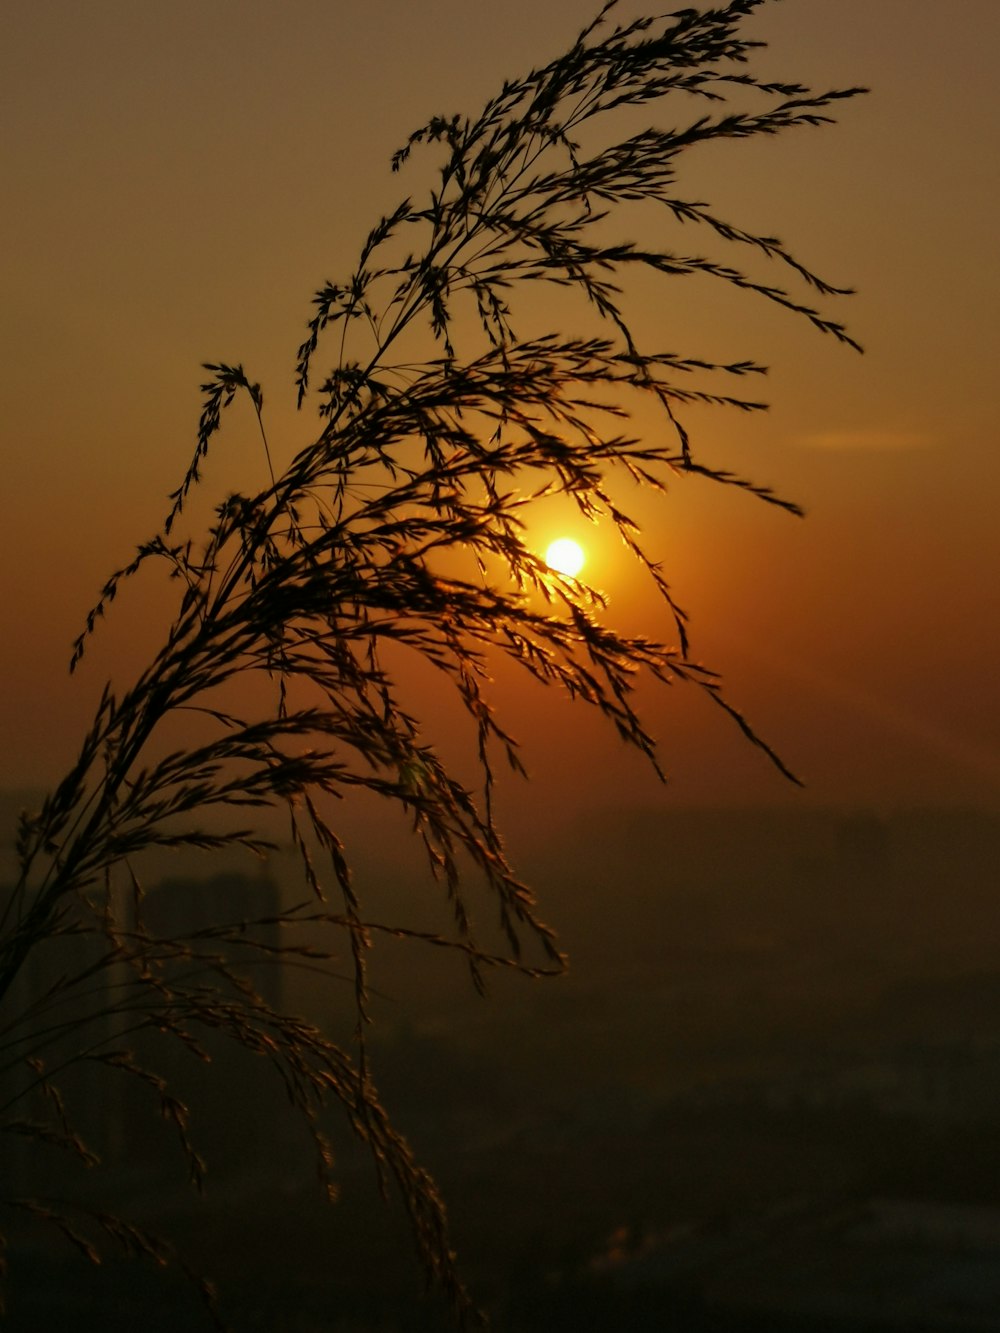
[(766, 1096)]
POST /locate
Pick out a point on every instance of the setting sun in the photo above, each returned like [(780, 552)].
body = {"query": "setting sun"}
[(566, 556)]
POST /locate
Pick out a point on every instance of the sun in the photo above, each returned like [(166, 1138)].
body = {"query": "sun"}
[(565, 556)]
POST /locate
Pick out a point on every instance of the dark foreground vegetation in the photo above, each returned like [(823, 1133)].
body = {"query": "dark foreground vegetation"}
[(396, 542)]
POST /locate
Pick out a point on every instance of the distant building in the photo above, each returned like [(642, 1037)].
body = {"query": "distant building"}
[(238, 1107), (863, 846), (69, 993)]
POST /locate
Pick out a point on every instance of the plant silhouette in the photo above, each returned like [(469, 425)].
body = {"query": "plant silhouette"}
[(399, 530)]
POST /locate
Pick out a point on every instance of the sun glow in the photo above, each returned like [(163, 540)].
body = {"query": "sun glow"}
[(565, 556)]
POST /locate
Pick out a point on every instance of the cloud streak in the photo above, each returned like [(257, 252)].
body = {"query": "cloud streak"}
[(872, 439)]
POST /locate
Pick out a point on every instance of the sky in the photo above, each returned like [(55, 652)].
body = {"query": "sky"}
[(179, 178)]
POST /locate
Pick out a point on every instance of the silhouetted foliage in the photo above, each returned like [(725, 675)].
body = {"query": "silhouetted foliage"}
[(402, 526)]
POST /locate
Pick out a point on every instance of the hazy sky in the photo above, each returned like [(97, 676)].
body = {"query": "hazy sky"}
[(179, 177)]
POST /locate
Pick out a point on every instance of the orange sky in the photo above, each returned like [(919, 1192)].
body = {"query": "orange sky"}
[(179, 178)]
